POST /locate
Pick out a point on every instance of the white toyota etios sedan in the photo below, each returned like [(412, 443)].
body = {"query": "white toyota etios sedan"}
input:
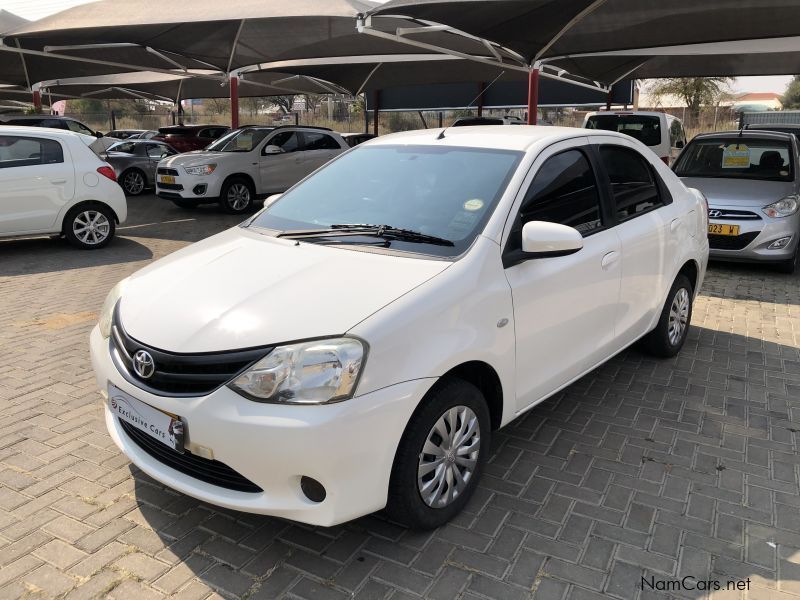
[(353, 346)]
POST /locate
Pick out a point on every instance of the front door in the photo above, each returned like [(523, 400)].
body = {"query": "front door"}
[(277, 172), (35, 183), (564, 307)]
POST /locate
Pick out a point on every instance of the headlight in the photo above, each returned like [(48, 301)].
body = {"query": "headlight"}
[(782, 208), (305, 373), (107, 312), (200, 170)]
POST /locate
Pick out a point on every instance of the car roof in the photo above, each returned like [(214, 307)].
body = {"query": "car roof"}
[(39, 131), (34, 117), (520, 137), (636, 113), (747, 133)]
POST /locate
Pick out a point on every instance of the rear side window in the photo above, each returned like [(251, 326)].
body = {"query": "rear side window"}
[(319, 141), (17, 151), (645, 128), (79, 128), (633, 186), (564, 191), (677, 138)]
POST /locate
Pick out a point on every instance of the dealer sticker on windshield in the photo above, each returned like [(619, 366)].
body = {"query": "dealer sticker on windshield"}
[(166, 428), (736, 156)]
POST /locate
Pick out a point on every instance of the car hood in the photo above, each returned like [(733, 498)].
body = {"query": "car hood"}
[(196, 158), (740, 192), (240, 289)]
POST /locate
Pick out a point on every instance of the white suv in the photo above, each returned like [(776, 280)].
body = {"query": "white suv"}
[(246, 163), (52, 182), (354, 344)]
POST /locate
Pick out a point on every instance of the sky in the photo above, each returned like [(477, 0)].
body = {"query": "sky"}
[(36, 9)]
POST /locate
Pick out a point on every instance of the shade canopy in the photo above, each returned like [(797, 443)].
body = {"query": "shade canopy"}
[(647, 37), (161, 86)]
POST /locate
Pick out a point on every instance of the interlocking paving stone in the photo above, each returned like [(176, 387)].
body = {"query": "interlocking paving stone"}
[(659, 468)]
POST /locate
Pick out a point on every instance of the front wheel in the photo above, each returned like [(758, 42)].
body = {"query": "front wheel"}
[(788, 266), (440, 456), (667, 339), (236, 196), (133, 182), (89, 226)]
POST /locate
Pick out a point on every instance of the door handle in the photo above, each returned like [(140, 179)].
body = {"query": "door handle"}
[(609, 260), (673, 226), (58, 181)]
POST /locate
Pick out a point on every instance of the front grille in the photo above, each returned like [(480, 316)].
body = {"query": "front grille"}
[(179, 374), (166, 171), (731, 242), (209, 471), (170, 186), (733, 215)]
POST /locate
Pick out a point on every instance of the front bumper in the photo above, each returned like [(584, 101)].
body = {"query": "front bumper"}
[(755, 237), (201, 188), (348, 446)]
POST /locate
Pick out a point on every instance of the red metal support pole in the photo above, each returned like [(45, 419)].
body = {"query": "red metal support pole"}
[(533, 96), (37, 101), (234, 102), (376, 97)]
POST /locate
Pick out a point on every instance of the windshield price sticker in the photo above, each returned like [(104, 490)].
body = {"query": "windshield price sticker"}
[(736, 156)]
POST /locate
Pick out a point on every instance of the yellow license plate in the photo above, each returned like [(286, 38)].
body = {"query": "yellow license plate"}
[(166, 179), (721, 229)]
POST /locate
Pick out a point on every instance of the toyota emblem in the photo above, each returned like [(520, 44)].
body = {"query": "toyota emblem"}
[(143, 364), (714, 214)]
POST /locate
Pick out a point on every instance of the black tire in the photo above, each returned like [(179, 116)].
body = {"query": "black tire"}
[(185, 203), (133, 182), (405, 503), (788, 266), (661, 342), (237, 195), (80, 217)]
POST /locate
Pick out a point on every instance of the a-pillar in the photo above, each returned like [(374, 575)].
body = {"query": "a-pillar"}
[(533, 96), (234, 102)]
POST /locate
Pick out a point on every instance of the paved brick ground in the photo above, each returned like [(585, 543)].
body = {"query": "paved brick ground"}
[(641, 469)]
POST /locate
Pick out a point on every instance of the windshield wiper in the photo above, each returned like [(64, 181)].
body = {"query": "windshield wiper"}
[(386, 232)]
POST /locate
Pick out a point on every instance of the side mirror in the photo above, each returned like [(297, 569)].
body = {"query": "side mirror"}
[(543, 239), (272, 150), (98, 135), (270, 199), (679, 144)]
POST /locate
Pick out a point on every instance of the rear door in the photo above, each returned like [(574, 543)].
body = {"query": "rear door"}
[(318, 148), (648, 225), (37, 179)]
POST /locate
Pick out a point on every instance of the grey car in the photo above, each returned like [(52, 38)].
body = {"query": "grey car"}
[(751, 181), (135, 163)]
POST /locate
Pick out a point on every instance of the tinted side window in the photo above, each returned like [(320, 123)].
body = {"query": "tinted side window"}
[(16, 151), (77, 127), (319, 141), (564, 191), (289, 141), (633, 188)]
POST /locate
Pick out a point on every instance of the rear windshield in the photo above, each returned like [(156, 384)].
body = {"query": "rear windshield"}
[(646, 129), (737, 158)]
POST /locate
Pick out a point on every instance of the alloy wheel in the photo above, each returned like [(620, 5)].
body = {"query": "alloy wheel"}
[(449, 457), (238, 196), (91, 227), (133, 183), (678, 316)]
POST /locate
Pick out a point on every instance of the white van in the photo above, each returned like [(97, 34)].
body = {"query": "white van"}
[(661, 132)]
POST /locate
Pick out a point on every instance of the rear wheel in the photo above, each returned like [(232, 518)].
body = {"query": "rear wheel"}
[(89, 226), (667, 339), (237, 196), (440, 456), (133, 182)]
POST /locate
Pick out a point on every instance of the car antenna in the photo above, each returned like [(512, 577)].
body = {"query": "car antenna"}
[(483, 91)]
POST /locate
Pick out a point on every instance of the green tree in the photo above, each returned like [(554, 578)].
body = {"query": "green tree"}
[(791, 99), (696, 92)]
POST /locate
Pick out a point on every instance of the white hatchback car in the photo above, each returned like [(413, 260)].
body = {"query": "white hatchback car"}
[(52, 182), (353, 346), (246, 163)]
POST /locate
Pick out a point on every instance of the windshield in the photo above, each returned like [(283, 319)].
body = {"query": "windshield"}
[(240, 140), (444, 191), (646, 129), (737, 158)]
